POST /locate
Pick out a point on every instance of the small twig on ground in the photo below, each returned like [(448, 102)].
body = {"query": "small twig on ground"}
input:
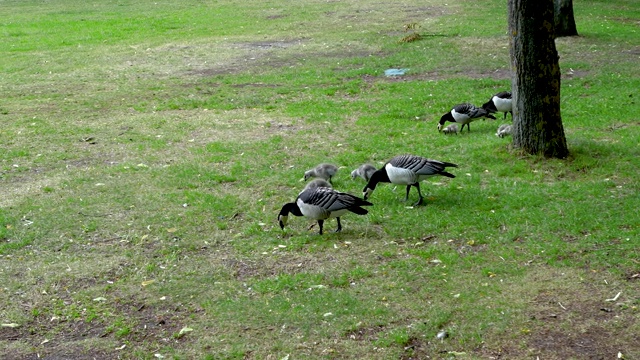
[(614, 298)]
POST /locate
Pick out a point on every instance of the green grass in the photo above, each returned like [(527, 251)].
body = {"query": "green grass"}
[(147, 147)]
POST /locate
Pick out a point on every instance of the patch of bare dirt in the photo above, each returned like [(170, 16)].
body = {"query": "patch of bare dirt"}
[(366, 333), (416, 349), (254, 54), (66, 354), (54, 340), (272, 266), (498, 74)]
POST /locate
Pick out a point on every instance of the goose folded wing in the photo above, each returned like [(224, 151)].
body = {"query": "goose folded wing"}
[(409, 162)]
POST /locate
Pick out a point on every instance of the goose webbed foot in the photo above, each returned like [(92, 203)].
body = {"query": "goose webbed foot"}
[(339, 225), (406, 197), (420, 197), (320, 223)]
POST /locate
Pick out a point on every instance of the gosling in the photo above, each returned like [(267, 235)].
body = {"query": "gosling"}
[(364, 171), (322, 171), (451, 129), (503, 130)]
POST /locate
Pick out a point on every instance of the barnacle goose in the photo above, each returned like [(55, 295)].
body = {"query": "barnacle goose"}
[(464, 114), (322, 203), (322, 171), (407, 170), (500, 102), (364, 171)]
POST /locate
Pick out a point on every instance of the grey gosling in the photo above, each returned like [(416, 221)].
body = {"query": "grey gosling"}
[(321, 204), (407, 170), (316, 183), (450, 129), (503, 130), (322, 171), (364, 171)]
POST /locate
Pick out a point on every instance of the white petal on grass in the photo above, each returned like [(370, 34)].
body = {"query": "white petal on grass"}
[(100, 299), (316, 287), (10, 325)]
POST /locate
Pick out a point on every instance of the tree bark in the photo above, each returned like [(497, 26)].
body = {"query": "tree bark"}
[(535, 83), (563, 18)]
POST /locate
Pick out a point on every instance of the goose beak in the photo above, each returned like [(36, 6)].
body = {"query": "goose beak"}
[(282, 220), (439, 127), (367, 193)]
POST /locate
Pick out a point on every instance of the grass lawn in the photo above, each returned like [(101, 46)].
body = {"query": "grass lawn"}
[(146, 148)]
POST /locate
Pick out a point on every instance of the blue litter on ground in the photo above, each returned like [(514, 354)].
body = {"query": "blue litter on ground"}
[(395, 72)]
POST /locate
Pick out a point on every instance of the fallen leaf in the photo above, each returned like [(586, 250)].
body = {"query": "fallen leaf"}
[(457, 353), (101, 299), (183, 331), (172, 230), (148, 282), (10, 325)]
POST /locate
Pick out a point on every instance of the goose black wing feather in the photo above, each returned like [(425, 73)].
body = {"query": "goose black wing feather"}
[(472, 111), (422, 166), (332, 200)]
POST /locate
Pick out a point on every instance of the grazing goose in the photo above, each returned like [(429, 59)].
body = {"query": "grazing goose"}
[(500, 102), (316, 183), (503, 130), (322, 171), (464, 114), (364, 171), (450, 129), (322, 203), (407, 170)]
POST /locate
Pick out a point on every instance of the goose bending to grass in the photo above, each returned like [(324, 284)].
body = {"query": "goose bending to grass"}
[(322, 171), (407, 170), (322, 203), (364, 171), (500, 102), (464, 114)]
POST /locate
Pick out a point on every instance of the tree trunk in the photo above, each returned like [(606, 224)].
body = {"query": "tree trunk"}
[(535, 83), (563, 18)]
